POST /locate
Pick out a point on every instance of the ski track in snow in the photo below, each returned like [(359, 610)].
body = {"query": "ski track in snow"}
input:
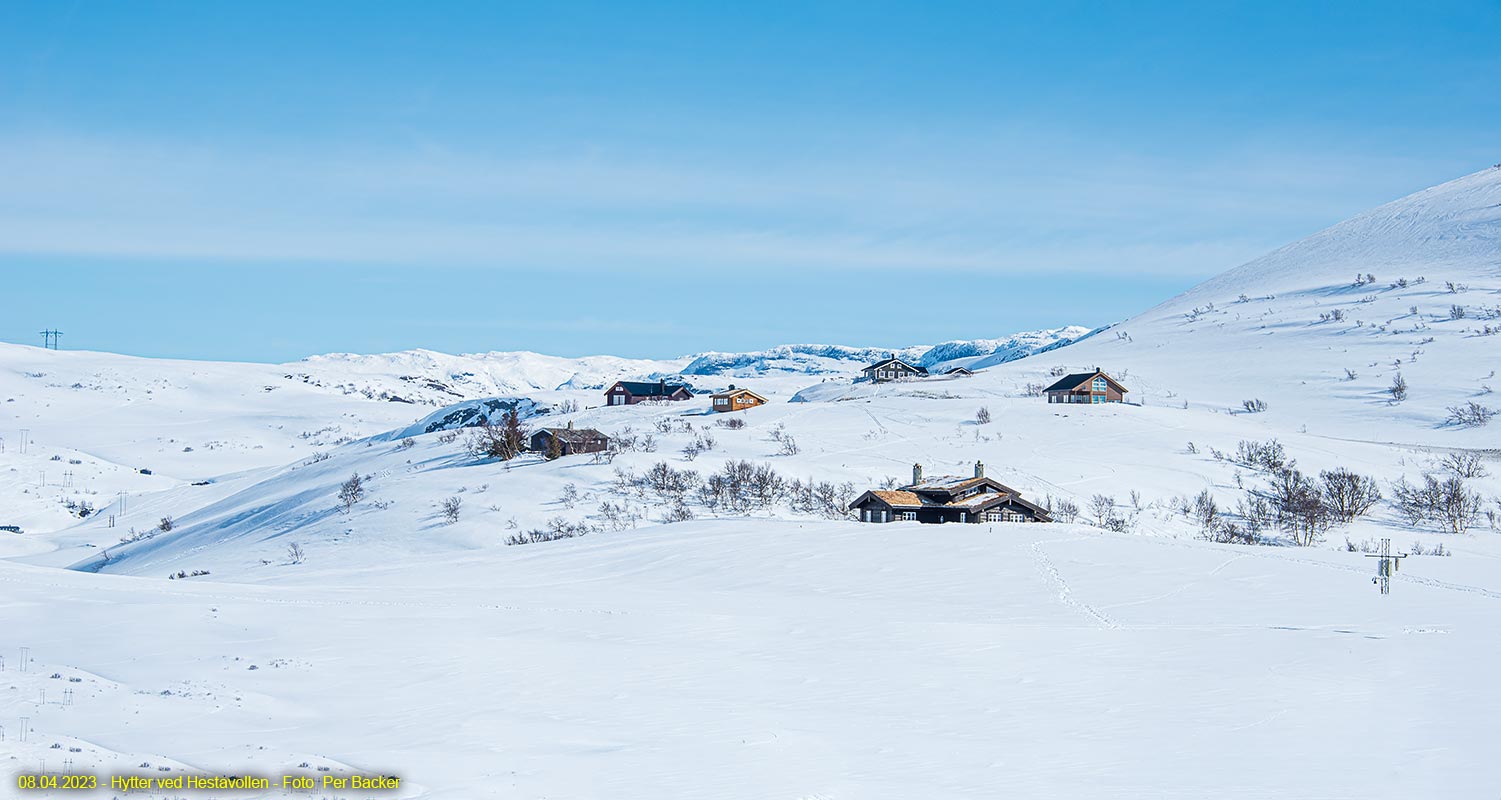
[(1065, 592)]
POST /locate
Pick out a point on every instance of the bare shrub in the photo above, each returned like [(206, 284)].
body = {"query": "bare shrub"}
[(671, 484), (1268, 456), (1299, 506), (351, 491), (1066, 510), (1448, 503), (677, 512), (982, 416), (1465, 465), (733, 423), (1205, 511), (702, 443), (166, 524), (1347, 494), (618, 516), (1253, 406), (557, 528), (1470, 415), (820, 498), (1101, 505), (449, 508), (1225, 531), (295, 553), (1398, 389)]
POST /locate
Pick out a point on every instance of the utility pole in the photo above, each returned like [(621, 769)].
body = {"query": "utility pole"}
[(1386, 566), (49, 338)]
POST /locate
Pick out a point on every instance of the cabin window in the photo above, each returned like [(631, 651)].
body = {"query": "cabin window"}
[(992, 516), (909, 516), (1099, 384)]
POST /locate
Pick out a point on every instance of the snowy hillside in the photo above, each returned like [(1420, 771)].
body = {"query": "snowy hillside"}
[(695, 615), (94, 421), (1321, 328)]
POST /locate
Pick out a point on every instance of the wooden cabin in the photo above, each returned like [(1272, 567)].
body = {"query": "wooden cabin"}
[(629, 393), (959, 372), (1087, 387), (893, 369), (948, 498), (733, 399), (570, 441)]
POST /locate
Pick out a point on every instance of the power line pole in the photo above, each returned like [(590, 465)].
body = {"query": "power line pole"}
[(49, 338)]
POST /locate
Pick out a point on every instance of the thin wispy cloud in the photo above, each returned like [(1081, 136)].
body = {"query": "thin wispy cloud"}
[(1034, 211)]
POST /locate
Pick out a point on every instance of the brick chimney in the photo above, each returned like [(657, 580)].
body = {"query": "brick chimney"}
[(979, 469), (916, 474)]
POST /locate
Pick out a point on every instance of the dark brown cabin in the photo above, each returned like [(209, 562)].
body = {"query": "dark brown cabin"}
[(948, 499), (893, 369), (570, 440), (629, 393), (1087, 387), (734, 399)]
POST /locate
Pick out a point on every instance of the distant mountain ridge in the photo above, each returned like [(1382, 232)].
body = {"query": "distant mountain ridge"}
[(822, 359)]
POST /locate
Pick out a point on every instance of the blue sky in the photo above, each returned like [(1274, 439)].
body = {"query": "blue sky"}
[(263, 181)]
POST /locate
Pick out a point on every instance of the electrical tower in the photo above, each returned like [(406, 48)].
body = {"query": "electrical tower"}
[(49, 338)]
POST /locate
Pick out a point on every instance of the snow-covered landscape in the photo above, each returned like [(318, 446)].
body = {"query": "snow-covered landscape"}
[(316, 568)]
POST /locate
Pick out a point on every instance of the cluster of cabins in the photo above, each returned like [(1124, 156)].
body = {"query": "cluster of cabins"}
[(1091, 387), (629, 393), (946, 498), (569, 441), (1079, 387)]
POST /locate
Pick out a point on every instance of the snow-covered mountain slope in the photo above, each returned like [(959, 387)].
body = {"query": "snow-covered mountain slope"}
[(982, 353), (804, 359), (440, 378), (1306, 329), (826, 359)]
